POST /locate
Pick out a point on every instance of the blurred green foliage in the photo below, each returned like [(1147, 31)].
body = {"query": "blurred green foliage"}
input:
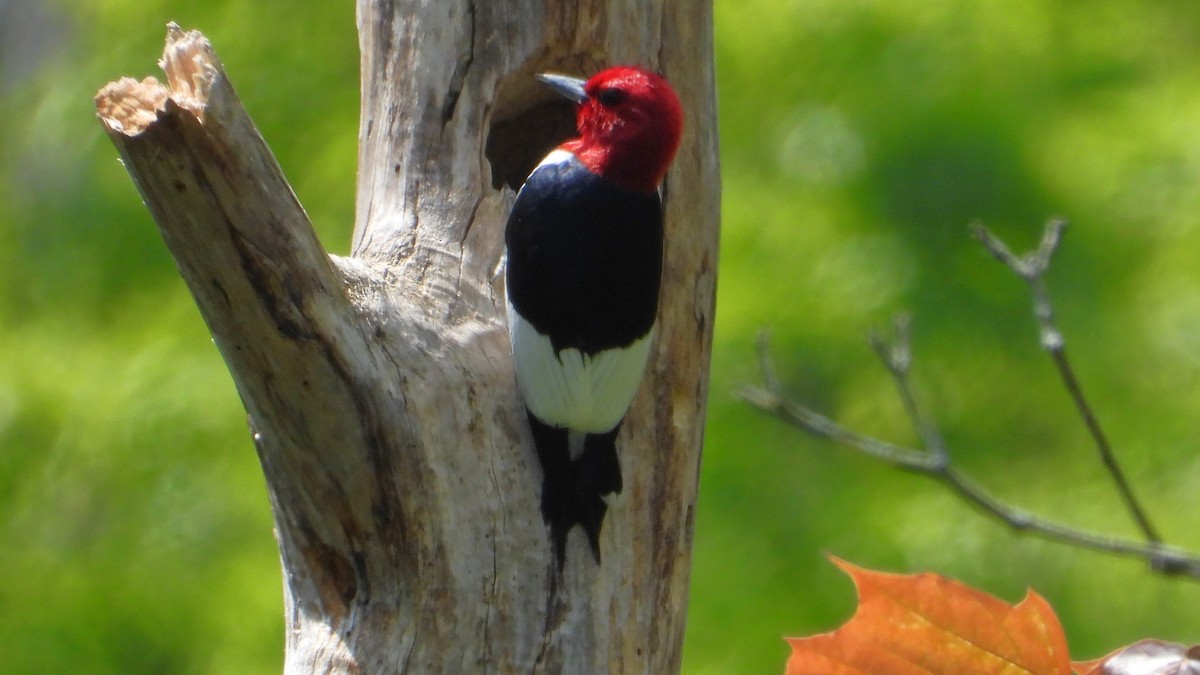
[(858, 140)]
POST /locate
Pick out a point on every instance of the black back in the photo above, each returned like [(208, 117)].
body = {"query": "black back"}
[(584, 258)]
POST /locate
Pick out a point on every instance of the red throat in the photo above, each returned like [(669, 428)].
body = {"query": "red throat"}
[(632, 168)]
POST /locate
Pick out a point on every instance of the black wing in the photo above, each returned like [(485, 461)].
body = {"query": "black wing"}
[(584, 258)]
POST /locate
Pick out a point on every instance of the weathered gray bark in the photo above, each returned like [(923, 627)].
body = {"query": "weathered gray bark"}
[(401, 473)]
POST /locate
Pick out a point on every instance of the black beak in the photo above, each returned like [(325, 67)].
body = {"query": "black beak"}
[(571, 87)]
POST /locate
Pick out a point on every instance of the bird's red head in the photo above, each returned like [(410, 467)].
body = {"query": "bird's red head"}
[(629, 121)]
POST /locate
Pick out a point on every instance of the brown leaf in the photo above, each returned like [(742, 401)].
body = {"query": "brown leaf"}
[(926, 624), (1147, 657)]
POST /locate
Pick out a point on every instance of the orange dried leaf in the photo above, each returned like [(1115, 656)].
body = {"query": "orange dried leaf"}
[(926, 624)]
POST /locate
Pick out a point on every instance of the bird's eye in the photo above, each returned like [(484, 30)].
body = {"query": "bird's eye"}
[(610, 97)]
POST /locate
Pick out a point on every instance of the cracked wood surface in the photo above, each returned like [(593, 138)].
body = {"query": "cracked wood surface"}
[(379, 387)]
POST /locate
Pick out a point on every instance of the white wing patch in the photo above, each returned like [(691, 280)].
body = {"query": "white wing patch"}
[(556, 156), (571, 389)]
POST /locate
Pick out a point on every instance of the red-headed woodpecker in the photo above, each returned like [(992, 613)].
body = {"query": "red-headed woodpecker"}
[(584, 264)]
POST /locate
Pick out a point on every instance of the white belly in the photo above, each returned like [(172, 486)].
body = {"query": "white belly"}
[(571, 389)]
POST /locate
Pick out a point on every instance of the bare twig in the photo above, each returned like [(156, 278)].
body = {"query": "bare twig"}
[(934, 460), (1032, 268), (771, 398), (896, 355)]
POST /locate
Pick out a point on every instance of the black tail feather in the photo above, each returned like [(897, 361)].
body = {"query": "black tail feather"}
[(573, 490), (597, 473), (554, 454), (599, 461)]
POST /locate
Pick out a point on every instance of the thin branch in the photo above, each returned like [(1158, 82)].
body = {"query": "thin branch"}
[(934, 460), (772, 399), (1032, 268), (896, 355)]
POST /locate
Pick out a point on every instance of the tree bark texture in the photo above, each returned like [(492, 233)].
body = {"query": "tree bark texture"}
[(401, 472)]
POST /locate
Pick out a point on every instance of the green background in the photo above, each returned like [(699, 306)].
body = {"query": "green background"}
[(858, 138)]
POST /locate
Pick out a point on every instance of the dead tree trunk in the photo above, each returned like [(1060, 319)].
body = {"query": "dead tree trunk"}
[(379, 387)]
